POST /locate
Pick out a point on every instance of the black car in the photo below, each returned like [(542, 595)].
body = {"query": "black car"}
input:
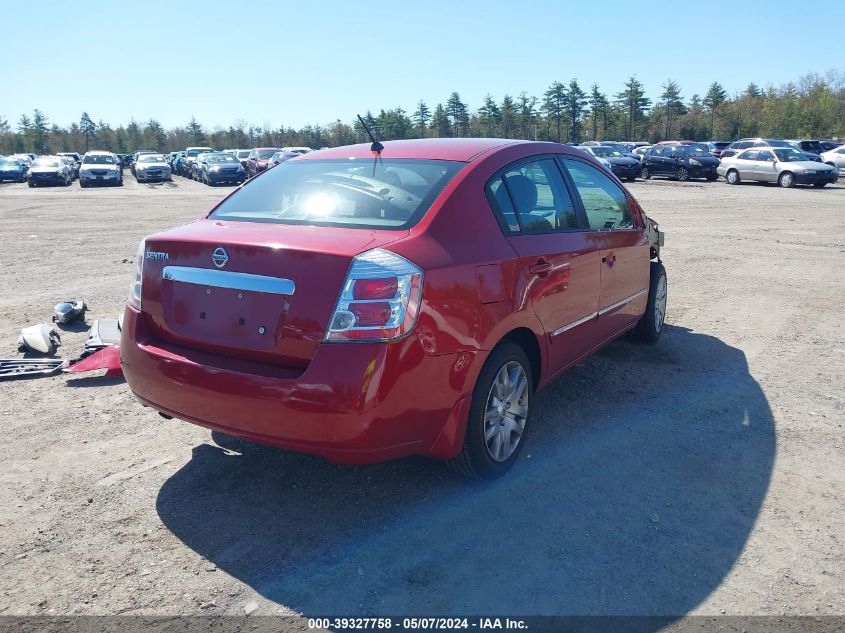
[(220, 168), (830, 145), (809, 146), (623, 166), (681, 162)]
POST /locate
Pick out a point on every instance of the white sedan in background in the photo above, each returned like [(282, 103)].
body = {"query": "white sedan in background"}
[(784, 165), (835, 158)]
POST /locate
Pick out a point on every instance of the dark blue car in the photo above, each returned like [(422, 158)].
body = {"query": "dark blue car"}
[(12, 169)]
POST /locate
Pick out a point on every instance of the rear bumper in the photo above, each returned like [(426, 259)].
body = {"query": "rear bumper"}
[(703, 172), (626, 172), (354, 403)]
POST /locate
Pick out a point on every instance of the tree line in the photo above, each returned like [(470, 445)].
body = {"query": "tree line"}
[(812, 107)]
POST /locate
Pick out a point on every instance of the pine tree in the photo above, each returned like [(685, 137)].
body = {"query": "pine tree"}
[(440, 123), (598, 107), (575, 104), (507, 116), (672, 103), (195, 132), (458, 113), (40, 130), (554, 102), (527, 108), (421, 116), (87, 128), (716, 96), (633, 102), (489, 115)]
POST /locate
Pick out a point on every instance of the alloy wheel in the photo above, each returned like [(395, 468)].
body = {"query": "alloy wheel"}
[(506, 411)]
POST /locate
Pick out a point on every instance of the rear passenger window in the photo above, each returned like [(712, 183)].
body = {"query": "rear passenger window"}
[(751, 154), (532, 198), (604, 201)]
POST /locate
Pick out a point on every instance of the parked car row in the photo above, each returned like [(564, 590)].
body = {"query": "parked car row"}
[(228, 166)]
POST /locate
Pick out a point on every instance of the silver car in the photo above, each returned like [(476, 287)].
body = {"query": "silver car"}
[(151, 167), (836, 158), (786, 166)]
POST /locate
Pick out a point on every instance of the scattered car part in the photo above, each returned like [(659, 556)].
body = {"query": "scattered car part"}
[(103, 333), (21, 367), (69, 311), (39, 338), (106, 358)]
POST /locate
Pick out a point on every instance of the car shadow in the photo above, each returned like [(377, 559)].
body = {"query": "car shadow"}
[(644, 470)]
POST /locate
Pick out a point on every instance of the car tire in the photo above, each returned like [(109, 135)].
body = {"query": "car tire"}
[(682, 174), (82, 185), (507, 362), (645, 173), (631, 178), (31, 184), (819, 185), (786, 180), (732, 177), (651, 324)]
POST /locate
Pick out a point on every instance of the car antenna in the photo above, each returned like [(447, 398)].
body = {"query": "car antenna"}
[(376, 147)]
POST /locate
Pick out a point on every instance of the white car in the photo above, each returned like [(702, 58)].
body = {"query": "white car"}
[(151, 167), (786, 166), (100, 168), (835, 158), (297, 150)]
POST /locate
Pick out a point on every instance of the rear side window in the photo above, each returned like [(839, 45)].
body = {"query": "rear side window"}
[(605, 203), (532, 198), (361, 193)]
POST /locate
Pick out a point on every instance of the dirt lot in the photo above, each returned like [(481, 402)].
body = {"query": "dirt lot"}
[(705, 474)]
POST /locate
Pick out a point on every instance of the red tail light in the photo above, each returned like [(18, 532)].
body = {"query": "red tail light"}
[(380, 299)]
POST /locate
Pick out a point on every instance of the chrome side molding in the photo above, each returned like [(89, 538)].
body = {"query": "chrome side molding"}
[(230, 280), (621, 303), (593, 315), (569, 326)]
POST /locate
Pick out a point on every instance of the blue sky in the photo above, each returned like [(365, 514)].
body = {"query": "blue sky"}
[(294, 63)]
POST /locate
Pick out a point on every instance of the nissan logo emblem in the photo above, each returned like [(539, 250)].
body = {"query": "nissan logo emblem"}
[(220, 257)]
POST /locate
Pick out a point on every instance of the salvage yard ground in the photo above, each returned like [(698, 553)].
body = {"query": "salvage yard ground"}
[(705, 474)]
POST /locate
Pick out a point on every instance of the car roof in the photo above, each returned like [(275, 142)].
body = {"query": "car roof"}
[(458, 149)]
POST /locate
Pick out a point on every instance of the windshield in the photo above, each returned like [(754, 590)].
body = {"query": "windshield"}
[(151, 158), (98, 159), (265, 153), (389, 194), (602, 151), (616, 147), (776, 142), (196, 152), (789, 155), (45, 162), (5, 162), (221, 158)]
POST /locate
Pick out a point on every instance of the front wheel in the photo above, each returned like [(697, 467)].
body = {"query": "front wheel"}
[(786, 180), (645, 174), (682, 174), (732, 177), (819, 185), (498, 414), (650, 327)]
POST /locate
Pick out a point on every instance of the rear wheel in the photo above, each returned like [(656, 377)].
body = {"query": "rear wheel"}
[(786, 180), (682, 174), (732, 177), (650, 327), (645, 174), (498, 415), (819, 185), (31, 184)]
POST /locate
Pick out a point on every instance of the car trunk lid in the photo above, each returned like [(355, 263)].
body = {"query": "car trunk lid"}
[(258, 291)]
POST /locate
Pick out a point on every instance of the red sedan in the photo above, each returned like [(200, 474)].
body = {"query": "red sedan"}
[(365, 305)]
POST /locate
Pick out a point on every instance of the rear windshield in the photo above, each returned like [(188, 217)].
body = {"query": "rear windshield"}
[(221, 158), (361, 193), (45, 162), (266, 153)]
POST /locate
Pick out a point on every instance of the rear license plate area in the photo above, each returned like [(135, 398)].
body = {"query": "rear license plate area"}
[(224, 316)]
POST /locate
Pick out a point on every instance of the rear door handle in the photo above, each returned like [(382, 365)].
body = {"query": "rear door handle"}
[(540, 268)]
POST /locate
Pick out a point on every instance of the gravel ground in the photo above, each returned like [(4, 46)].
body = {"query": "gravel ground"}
[(702, 475)]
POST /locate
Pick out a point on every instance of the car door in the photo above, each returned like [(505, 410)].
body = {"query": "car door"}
[(558, 261), (653, 160), (746, 164), (619, 234), (765, 167)]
